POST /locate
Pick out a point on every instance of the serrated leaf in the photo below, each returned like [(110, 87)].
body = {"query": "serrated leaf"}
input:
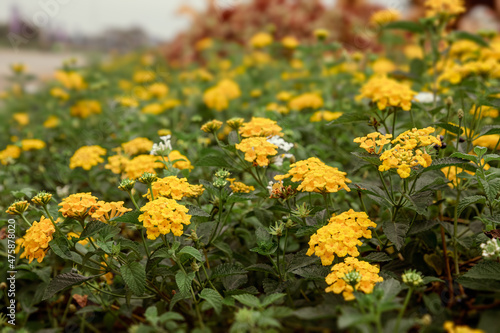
[(314, 272), (377, 257), (134, 275), (163, 253), (191, 251), (151, 315), (63, 281), (240, 197), (270, 299), (485, 269), (213, 298), (129, 217), (248, 300), (405, 25), (92, 228), (370, 158), (227, 269), (395, 232), (440, 163), (420, 226), (184, 281), (60, 246), (177, 297), (451, 128), (261, 268), (489, 130), (465, 156), (196, 211), (466, 202), (429, 279)]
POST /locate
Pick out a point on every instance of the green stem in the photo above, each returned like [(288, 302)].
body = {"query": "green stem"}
[(51, 219), (401, 313), (133, 200), (145, 244), (25, 220), (284, 251)]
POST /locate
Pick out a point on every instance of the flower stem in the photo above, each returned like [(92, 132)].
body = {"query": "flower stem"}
[(401, 313)]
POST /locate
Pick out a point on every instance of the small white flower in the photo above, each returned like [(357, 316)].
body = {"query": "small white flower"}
[(425, 97), (280, 143), (491, 249), (166, 140), (278, 160), (270, 187)]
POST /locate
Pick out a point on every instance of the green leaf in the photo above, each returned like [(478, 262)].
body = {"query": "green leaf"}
[(429, 279), (60, 247), (151, 315), (130, 217), (313, 272), (177, 297), (213, 298), (417, 67), (350, 117), (270, 299), (63, 281), (451, 128), (472, 37), (240, 197), (248, 300), (395, 232), (184, 281), (92, 228), (485, 269), (265, 268), (420, 226), (191, 251), (213, 161), (370, 158), (134, 275), (489, 130), (227, 270), (196, 211), (466, 202), (405, 25), (440, 163), (377, 257), (465, 156)]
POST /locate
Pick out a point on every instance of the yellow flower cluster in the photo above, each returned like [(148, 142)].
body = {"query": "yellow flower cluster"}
[(218, 97), (137, 146), (451, 327), (71, 80), (9, 154), (260, 127), (369, 277), (403, 160), (22, 118), (18, 207), (32, 144), (78, 205), (51, 122), (162, 216), (340, 236), (324, 116), (87, 157), (374, 142), (84, 108), (306, 101), (290, 42), (256, 150), (105, 211), (140, 164), (484, 111), (385, 16), (37, 238), (261, 40), (443, 7), (239, 187), (60, 93), (182, 161), (174, 188), (316, 176), (417, 138), (387, 92)]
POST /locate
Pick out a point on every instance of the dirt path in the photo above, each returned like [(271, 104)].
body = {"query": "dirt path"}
[(41, 64)]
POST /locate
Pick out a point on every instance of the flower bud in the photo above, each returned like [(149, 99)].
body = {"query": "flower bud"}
[(352, 278), (460, 113), (235, 123), (412, 278), (126, 185), (42, 198), (211, 126), (18, 207), (148, 178)]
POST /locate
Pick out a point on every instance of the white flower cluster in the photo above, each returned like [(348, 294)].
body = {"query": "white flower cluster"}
[(282, 145), (491, 249), (162, 147)]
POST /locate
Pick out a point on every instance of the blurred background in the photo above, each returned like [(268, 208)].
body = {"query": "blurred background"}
[(43, 33)]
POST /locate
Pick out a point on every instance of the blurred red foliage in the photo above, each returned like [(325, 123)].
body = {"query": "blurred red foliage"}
[(237, 21)]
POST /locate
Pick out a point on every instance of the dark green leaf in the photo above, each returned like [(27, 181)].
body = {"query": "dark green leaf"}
[(227, 270), (184, 281), (472, 37), (191, 251), (466, 202), (134, 275), (395, 232), (270, 299), (130, 217), (213, 298), (377, 257), (350, 117), (370, 158), (405, 25), (63, 281), (485, 269), (248, 300), (60, 247)]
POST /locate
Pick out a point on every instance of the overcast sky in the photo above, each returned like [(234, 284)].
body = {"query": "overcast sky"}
[(156, 17)]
